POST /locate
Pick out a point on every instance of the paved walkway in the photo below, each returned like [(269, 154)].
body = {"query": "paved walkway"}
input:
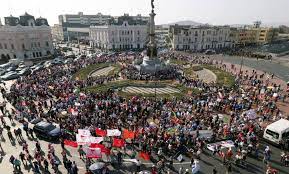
[(206, 75), (142, 90), (102, 72)]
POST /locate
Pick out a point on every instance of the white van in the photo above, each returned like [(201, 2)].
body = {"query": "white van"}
[(277, 131)]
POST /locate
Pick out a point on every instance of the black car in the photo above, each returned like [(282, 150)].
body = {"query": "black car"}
[(47, 131)]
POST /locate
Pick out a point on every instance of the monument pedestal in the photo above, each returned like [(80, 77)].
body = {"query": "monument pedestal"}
[(151, 66)]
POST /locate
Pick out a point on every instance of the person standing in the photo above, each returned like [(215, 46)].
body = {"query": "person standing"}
[(119, 157), (74, 169)]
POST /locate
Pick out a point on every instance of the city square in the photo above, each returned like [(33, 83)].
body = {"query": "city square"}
[(120, 94)]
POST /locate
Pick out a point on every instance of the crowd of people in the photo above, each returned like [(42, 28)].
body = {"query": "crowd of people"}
[(166, 128)]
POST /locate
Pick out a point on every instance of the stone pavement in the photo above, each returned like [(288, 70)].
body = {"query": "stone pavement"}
[(206, 76), (102, 72), (142, 90)]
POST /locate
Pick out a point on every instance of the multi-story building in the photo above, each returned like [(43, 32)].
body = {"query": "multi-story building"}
[(57, 32), (72, 24), (25, 38), (162, 34), (198, 38), (125, 32), (256, 35)]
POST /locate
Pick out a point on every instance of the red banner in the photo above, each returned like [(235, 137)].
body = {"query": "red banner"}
[(100, 132), (144, 156), (118, 142), (128, 134), (101, 147), (70, 143)]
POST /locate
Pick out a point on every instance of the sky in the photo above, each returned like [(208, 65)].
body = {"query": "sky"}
[(216, 12)]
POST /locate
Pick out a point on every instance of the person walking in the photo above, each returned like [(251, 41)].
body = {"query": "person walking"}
[(46, 164)]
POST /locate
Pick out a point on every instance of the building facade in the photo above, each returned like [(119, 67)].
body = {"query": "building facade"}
[(200, 38), (122, 33), (57, 32), (28, 39), (162, 35)]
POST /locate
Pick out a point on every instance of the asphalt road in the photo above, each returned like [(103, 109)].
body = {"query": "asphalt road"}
[(264, 65)]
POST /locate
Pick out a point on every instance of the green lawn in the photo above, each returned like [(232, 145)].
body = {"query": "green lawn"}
[(223, 77), (178, 62), (83, 73), (161, 84)]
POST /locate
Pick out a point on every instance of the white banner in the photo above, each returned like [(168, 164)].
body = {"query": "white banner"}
[(113, 132), (84, 132), (96, 140), (82, 140)]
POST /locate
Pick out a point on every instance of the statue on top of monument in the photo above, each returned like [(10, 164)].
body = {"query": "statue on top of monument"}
[(152, 3)]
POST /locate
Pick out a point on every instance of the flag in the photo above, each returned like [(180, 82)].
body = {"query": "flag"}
[(144, 156), (128, 134), (118, 142), (70, 143), (93, 153), (95, 145), (96, 139), (113, 132), (100, 132), (84, 132), (82, 140), (106, 151), (102, 148)]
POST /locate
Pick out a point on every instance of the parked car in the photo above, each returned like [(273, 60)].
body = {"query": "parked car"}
[(2, 72), (69, 60), (10, 76), (47, 130), (6, 65), (209, 52), (11, 68), (37, 67), (24, 72)]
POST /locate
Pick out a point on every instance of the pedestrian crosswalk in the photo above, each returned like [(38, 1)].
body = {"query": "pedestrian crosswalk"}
[(102, 72), (143, 90)]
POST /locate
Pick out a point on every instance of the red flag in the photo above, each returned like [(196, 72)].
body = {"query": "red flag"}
[(118, 142), (144, 156), (128, 134), (70, 143), (100, 132), (106, 151), (95, 145), (101, 147)]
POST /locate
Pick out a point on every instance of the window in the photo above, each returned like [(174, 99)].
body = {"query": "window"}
[(37, 55), (196, 33), (12, 46), (131, 46), (14, 56), (196, 39), (1, 46), (273, 134), (33, 54), (138, 32), (5, 46), (23, 46), (40, 54), (38, 44), (47, 44)]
